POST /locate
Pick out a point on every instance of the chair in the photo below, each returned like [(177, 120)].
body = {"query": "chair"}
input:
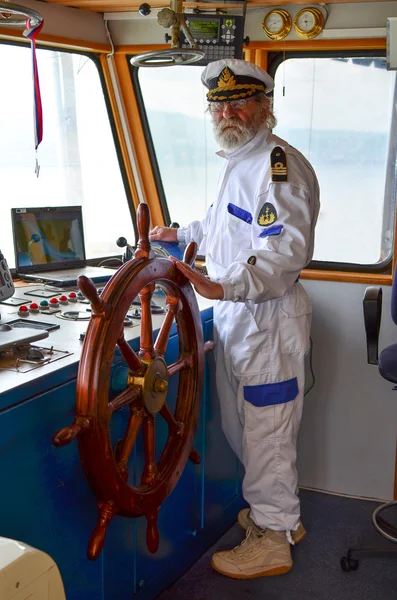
[(387, 365)]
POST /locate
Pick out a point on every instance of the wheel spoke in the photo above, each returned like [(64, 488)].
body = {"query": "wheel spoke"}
[(143, 221), (162, 338), (190, 253), (133, 427), (150, 469), (174, 426), (133, 361), (126, 397), (146, 350), (183, 363)]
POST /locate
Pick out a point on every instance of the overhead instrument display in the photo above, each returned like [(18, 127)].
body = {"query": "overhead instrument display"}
[(218, 36)]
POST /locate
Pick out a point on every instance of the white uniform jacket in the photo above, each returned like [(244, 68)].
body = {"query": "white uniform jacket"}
[(251, 261)]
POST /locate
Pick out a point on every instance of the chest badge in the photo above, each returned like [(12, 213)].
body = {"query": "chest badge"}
[(267, 215), (251, 260)]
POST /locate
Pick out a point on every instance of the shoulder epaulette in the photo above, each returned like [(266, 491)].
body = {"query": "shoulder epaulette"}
[(278, 165)]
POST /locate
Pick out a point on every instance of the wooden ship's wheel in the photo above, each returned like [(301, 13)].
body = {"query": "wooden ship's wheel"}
[(145, 392)]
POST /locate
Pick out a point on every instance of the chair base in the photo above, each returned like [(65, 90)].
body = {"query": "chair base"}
[(387, 530)]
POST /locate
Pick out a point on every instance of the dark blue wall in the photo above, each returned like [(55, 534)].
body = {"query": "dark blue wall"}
[(47, 502)]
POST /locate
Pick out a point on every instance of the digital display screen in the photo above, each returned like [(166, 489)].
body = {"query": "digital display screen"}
[(49, 237), (208, 30)]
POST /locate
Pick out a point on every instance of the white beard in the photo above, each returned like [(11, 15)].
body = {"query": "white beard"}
[(233, 133)]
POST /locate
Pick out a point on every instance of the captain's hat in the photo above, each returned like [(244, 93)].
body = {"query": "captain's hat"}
[(232, 79)]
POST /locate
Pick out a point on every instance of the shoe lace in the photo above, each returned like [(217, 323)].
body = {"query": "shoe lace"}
[(252, 532)]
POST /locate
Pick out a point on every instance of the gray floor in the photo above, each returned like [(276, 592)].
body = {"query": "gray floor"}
[(333, 524)]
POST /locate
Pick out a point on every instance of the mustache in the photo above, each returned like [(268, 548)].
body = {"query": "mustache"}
[(232, 122)]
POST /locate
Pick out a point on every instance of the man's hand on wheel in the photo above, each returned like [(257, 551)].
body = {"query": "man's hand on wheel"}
[(203, 286), (163, 234)]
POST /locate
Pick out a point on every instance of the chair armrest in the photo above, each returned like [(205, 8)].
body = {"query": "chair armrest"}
[(372, 306)]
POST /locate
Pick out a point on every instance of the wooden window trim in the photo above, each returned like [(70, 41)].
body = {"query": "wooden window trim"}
[(52, 40)]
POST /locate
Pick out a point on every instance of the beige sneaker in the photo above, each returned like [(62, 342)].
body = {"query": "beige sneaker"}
[(245, 521), (261, 553)]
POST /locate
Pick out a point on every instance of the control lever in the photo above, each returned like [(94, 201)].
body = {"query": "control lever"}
[(130, 251)]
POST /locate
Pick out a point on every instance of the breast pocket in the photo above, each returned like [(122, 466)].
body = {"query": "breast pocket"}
[(239, 225), (233, 233)]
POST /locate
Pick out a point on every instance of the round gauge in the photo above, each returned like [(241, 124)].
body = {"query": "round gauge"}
[(277, 24), (309, 23)]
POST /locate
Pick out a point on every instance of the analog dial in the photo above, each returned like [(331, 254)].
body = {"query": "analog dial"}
[(277, 24), (309, 23)]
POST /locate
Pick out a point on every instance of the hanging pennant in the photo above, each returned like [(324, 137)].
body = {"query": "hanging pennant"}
[(32, 32)]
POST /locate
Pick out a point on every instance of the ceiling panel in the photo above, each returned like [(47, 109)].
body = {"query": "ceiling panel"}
[(132, 5)]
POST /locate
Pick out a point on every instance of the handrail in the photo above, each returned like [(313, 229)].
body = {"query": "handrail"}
[(10, 9)]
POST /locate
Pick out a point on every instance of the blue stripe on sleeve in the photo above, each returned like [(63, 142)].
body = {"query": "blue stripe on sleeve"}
[(240, 213), (269, 394), (276, 230)]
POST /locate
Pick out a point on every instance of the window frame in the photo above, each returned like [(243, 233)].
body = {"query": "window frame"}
[(134, 72), (95, 57), (259, 52), (274, 60)]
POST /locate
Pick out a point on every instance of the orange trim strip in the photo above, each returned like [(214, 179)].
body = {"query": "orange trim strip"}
[(120, 131), (52, 40), (251, 50), (348, 277), (334, 44), (138, 139)]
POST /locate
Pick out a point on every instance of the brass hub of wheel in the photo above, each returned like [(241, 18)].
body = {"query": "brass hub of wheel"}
[(154, 385)]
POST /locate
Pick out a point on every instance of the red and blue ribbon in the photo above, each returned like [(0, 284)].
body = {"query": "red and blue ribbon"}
[(31, 33)]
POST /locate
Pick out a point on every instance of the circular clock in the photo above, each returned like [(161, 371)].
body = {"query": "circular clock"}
[(309, 23), (277, 24)]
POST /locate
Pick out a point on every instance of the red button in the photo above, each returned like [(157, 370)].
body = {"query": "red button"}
[(23, 308), (34, 306), (54, 301), (72, 295), (63, 299)]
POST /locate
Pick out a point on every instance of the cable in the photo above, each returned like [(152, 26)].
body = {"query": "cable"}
[(311, 367), (109, 36)]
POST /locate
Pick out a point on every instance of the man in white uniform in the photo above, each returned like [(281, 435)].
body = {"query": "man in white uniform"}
[(257, 237)]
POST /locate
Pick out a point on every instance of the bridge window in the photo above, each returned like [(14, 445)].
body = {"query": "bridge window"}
[(77, 157), (340, 112), (175, 106)]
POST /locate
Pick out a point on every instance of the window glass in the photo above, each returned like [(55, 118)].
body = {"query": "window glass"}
[(176, 106), (77, 157), (339, 112)]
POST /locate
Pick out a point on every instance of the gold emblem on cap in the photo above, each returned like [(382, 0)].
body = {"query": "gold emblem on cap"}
[(226, 80), (227, 83)]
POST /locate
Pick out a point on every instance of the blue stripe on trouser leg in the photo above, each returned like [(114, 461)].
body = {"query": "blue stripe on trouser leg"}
[(269, 449), (269, 394)]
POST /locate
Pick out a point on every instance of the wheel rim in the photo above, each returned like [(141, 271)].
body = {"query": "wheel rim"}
[(144, 392)]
